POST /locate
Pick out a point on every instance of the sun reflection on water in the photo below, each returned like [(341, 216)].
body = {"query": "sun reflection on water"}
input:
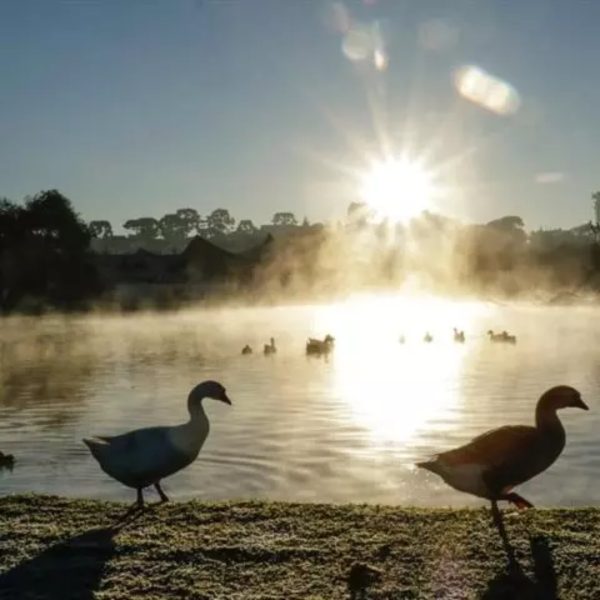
[(370, 362)]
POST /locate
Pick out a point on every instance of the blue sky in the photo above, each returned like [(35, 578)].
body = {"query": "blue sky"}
[(138, 108)]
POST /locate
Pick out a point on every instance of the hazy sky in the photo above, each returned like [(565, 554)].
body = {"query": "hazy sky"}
[(137, 108)]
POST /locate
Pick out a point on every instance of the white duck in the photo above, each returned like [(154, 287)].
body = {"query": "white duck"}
[(143, 457)]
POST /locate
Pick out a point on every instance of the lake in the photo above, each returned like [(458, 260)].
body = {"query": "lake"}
[(345, 429)]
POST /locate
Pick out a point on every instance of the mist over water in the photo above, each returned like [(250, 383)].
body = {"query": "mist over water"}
[(345, 429)]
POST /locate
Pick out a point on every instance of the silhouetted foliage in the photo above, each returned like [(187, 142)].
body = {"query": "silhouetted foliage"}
[(246, 226), (101, 229), (43, 252), (284, 219), (144, 228), (219, 222), (190, 220), (358, 215), (173, 228)]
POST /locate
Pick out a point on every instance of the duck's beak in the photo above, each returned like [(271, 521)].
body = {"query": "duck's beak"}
[(225, 398), (581, 404)]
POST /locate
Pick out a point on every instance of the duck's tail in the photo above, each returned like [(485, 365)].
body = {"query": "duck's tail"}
[(96, 445), (430, 465)]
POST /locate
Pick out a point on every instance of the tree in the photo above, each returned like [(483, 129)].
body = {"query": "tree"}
[(596, 199), (247, 227), (100, 229), (44, 251), (286, 219), (173, 228), (305, 222), (144, 228), (219, 222), (190, 220), (9, 221), (50, 216), (359, 215), (509, 223)]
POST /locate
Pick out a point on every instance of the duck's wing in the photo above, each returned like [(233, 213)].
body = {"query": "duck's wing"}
[(496, 448), (138, 456)]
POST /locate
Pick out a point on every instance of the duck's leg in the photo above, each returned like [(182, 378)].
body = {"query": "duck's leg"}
[(161, 493), (502, 531), (140, 498), (520, 502)]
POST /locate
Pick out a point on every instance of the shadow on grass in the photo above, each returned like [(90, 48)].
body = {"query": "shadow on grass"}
[(70, 569), (514, 584)]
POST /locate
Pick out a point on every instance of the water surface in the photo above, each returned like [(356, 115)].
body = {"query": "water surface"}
[(344, 429)]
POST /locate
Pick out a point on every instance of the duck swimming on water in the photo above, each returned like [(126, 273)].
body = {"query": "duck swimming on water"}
[(246, 349), (459, 336), (503, 337), (319, 347), (492, 464), (144, 457), (270, 348)]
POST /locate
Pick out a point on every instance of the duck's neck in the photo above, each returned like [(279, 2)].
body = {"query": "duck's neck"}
[(547, 421), (198, 420)]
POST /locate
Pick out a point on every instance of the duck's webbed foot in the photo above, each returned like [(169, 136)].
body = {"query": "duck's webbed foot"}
[(161, 493), (520, 502)]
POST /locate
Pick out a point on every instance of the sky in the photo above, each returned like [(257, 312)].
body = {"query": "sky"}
[(138, 108)]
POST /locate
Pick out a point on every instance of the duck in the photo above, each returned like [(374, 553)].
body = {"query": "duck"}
[(497, 461), (318, 347), (7, 461), (459, 336), (428, 338), (246, 349), (270, 348), (503, 337), (143, 457)]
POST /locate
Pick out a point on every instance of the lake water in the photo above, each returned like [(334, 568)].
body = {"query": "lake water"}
[(346, 429)]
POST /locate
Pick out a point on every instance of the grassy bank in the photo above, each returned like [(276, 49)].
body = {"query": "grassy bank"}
[(56, 548)]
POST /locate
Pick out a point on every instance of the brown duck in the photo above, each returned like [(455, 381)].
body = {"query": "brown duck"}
[(492, 464)]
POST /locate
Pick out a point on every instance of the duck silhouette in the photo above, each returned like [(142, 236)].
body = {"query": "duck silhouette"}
[(144, 457), (318, 347), (492, 464)]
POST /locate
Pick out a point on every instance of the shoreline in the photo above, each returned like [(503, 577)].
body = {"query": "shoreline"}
[(54, 547)]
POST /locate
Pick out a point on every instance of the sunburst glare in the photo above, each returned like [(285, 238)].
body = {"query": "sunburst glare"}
[(397, 188)]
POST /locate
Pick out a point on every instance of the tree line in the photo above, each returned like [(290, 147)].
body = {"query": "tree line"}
[(186, 222), (45, 251)]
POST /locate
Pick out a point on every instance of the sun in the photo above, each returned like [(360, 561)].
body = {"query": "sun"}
[(397, 188)]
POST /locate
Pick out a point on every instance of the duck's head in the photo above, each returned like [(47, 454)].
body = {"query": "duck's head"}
[(561, 396), (207, 389)]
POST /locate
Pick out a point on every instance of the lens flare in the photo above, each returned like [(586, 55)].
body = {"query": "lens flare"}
[(487, 91)]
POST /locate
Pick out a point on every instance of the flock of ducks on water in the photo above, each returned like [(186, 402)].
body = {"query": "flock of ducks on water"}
[(313, 346), (316, 347)]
